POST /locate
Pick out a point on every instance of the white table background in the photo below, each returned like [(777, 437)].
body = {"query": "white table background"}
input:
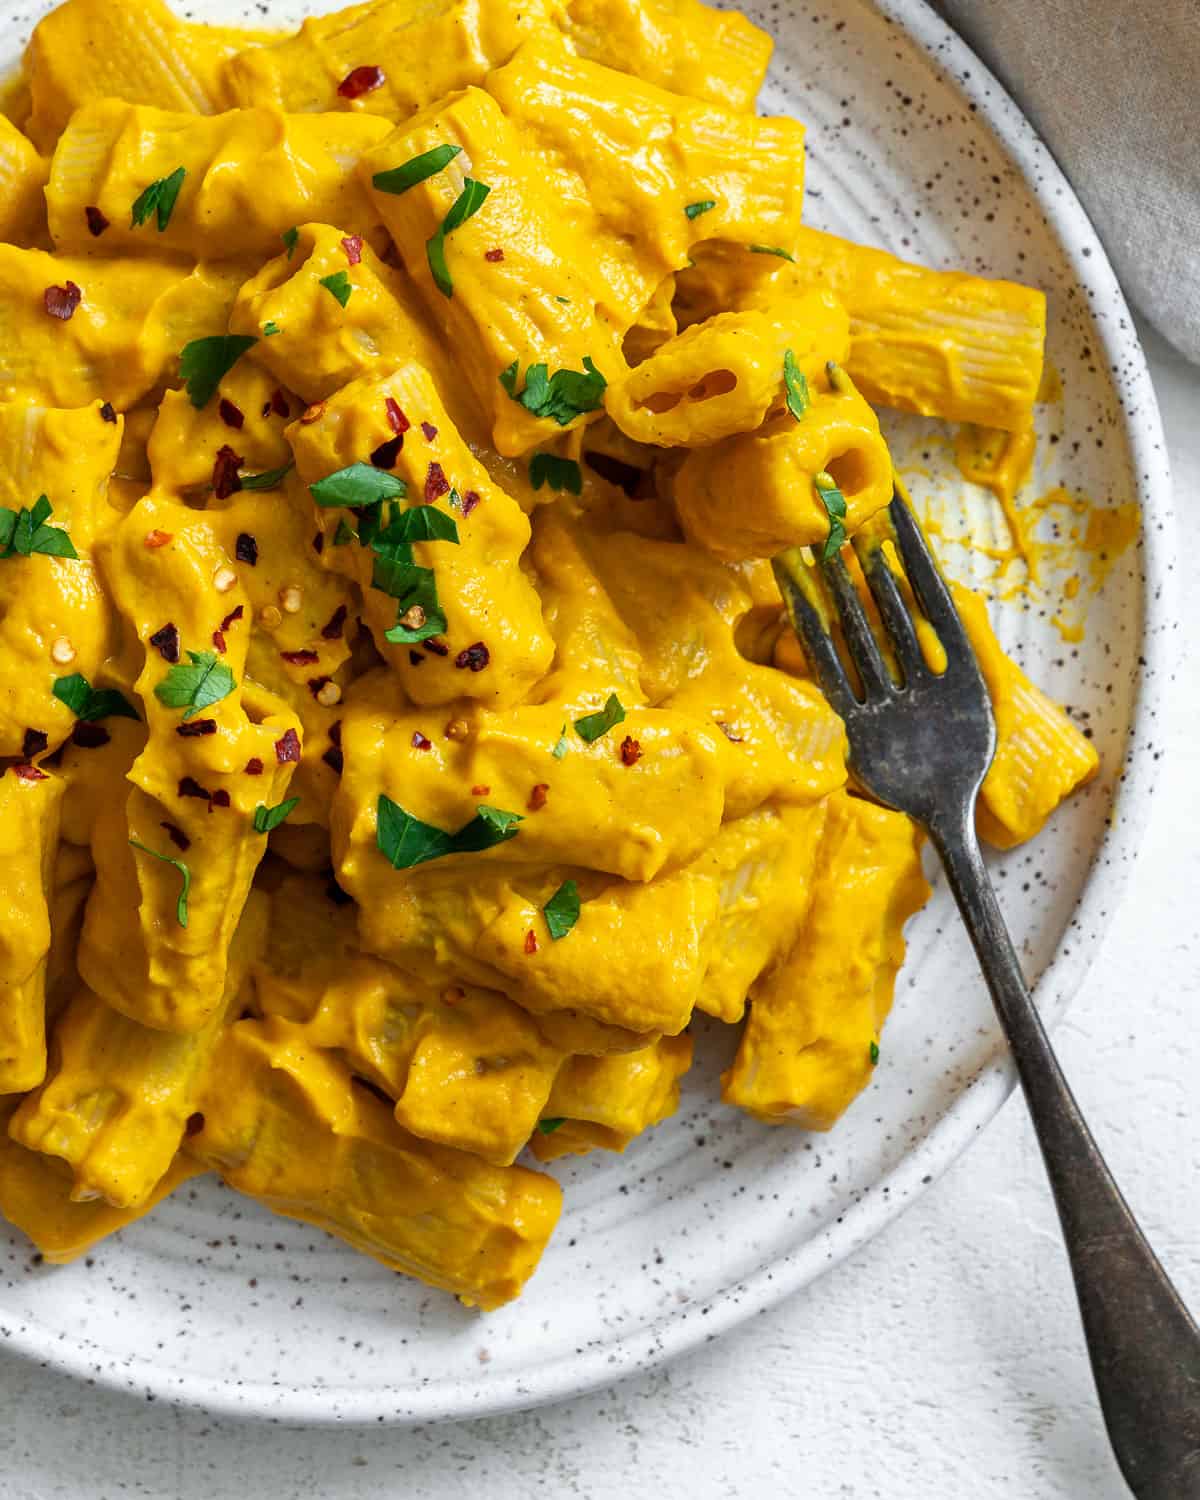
[(944, 1359)]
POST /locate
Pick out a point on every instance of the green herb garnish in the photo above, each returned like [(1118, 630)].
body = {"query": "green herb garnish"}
[(592, 726), (268, 819), (428, 164), (468, 202), (344, 533), (271, 328), (269, 479), (419, 614), (694, 210), (423, 523), (24, 532), (89, 703), (561, 747), (338, 286), (559, 473), (405, 841), (181, 906), (835, 506), (196, 684), (796, 384), (158, 199), (773, 250), (874, 1053), (548, 1127), (562, 910), (560, 397), (357, 485), (204, 363), (289, 238)]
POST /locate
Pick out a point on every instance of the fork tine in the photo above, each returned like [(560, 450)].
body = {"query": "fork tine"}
[(808, 625), (928, 584), (892, 608), (860, 638)]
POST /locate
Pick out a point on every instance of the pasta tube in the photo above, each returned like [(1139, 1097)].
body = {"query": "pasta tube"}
[(23, 175), (812, 1033), (249, 175), (285, 1124), (30, 806)]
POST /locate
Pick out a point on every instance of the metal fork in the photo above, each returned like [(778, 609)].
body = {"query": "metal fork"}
[(921, 741)]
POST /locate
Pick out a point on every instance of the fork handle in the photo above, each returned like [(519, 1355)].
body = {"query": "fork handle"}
[(1143, 1343)]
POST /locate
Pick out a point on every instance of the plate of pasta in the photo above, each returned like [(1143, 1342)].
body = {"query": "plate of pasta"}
[(443, 964)]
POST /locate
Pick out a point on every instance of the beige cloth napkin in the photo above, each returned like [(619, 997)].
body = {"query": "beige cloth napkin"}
[(1113, 88)]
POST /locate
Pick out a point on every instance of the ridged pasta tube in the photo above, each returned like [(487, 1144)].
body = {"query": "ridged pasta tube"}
[(30, 808), (23, 175), (250, 175), (285, 1123)]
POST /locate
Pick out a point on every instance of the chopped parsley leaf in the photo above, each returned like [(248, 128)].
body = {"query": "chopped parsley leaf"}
[(796, 384), (24, 532), (339, 286), (835, 507), (559, 473), (196, 684), (268, 819), (773, 250), (428, 164), (468, 202), (358, 484), (549, 1126), (344, 534), (419, 615), (560, 397), (405, 841), (271, 328), (592, 726), (204, 363), (89, 703), (561, 747), (181, 906), (289, 238), (874, 1053), (423, 523), (269, 479), (694, 210), (158, 198), (562, 910)]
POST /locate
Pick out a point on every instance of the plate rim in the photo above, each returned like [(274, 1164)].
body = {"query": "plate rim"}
[(979, 1100)]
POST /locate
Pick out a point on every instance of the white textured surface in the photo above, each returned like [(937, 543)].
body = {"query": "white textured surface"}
[(944, 1358)]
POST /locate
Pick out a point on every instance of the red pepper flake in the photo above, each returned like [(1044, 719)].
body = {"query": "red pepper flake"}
[(190, 787), (473, 658), (232, 617), (436, 484), (29, 773), (229, 414), (537, 797), (419, 742), (312, 413), (360, 81), (470, 500), (156, 539), (481, 790), (197, 729), (385, 456), (336, 626), (315, 684), (301, 658), (218, 799), (631, 751), (218, 640), (287, 750), (429, 430), (416, 658), (254, 767), (61, 301), (279, 404), (177, 837), (225, 480), (108, 413), (97, 221), (397, 421), (166, 642), (435, 647), (334, 760), (494, 255), (89, 736), (352, 244), (246, 549), (531, 942), (33, 743)]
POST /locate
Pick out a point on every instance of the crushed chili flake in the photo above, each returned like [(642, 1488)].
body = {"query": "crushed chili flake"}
[(315, 684), (108, 412), (352, 244), (631, 751), (470, 500), (334, 760), (537, 797), (436, 647), (360, 81), (61, 301), (166, 642), (287, 750), (190, 787), (34, 743), (319, 543), (473, 658), (397, 421), (385, 456), (419, 741), (90, 736), (254, 766), (301, 658), (334, 630), (225, 480), (156, 539), (312, 413), (429, 430), (197, 729), (480, 790), (97, 220), (177, 837), (219, 641), (531, 942), (436, 483), (416, 659), (218, 799), (233, 617), (494, 255), (230, 414), (29, 773)]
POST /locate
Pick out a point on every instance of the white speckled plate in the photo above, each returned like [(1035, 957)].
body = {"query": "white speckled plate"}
[(711, 1218)]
